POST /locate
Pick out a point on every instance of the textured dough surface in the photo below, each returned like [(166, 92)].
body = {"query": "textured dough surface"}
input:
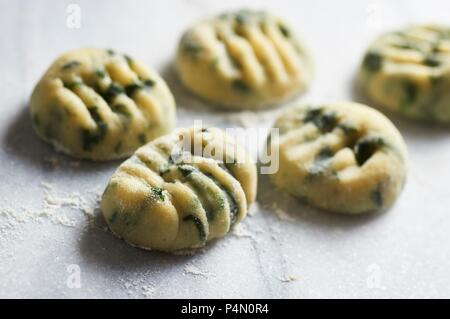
[(243, 59), (100, 105), (343, 157), (408, 71), (173, 195)]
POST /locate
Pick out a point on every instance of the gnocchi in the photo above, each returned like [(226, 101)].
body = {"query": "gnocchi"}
[(98, 104), (180, 191), (408, 71), (243, 59), (342, 157)]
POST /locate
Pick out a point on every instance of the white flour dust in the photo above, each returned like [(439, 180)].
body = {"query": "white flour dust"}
[(58, 207), (194, 270)]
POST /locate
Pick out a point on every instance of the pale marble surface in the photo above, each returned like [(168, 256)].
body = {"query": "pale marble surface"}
[(304, 253)]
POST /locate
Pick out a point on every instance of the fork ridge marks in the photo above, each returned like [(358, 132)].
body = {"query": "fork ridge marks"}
[(408, 71), (180, 191), (343, 157), (243, 59), (99, 104)]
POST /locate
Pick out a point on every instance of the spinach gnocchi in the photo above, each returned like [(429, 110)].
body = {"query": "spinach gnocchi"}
[(343, 157), (180, 190), (408, 71), (100, 105), (243, 59)]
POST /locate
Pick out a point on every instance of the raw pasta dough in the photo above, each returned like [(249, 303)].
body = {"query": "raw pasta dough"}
[(180, 191), (408, 71), (343, 157), (243, 59), (100, 105)]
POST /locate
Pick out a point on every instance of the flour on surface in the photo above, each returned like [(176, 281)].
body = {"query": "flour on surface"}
[(275, 231), (139, 285), (249, 119), (194, 270), (281, 214), (241, 230), (55, 200), (253, 209), (148, 291), (56, 207)]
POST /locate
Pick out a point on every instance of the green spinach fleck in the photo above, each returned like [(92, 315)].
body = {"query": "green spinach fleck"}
[(377, 196), (70, 65), (113, 217), (325, 121), (192, 48), (72, 85), (348, 129), (373, 61), (320, 164), (132, 88), (240, 86), (198, 224), (93, 111), (112, 92), (232, 203), (90, 138), (284, 30), (128, 59), (432, 60), (121, 109), (186, 170), (159, 193), (138, 85), (242, 17), (149, 82), (366, 147), (100, 73)]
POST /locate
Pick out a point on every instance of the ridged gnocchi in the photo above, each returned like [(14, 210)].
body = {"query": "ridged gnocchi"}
[(408, 71), (180, 190), (342, 157), (243, 59), (98, 104)]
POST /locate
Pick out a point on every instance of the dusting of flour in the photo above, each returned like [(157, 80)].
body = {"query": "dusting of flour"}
[(57, 206), (191, 269)]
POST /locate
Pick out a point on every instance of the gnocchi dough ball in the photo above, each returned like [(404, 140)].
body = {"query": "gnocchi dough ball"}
[(180, 191), (342, 157), (100, 105), (408, 71), (243, 59)]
